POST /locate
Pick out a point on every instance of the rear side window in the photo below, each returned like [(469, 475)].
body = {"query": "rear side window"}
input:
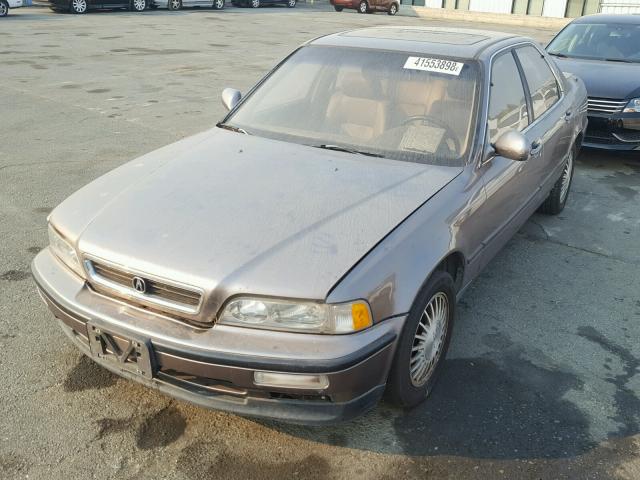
[(542, 83), (507, 103)]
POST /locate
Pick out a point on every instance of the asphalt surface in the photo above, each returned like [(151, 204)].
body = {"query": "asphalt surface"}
[(542, 380)]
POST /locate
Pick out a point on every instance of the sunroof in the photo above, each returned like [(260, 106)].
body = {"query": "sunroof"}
[(418, 35)]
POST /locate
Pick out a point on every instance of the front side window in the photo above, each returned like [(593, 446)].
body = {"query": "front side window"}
[(598, 41), (543, 86), (507, 101), (390, 104)]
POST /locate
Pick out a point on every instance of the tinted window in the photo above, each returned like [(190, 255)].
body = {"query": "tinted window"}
[(507, 104), (598, 41), (542, 83)]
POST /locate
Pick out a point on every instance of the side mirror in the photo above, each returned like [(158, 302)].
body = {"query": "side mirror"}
[(513, 145), (230, 98)]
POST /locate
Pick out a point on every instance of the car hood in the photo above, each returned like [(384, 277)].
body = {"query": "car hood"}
[(233, 213), (613, 80)]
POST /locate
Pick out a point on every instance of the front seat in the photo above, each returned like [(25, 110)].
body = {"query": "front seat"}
[(355, 111)]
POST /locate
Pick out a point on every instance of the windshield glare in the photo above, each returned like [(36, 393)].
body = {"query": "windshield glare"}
[(616, 42), (365, 101)]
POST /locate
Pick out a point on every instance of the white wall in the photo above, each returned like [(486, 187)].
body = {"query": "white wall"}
[(433, 3), (620, 6), (554, 8), (493, 6)]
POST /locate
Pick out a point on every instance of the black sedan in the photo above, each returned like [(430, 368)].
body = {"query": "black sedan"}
[(604, 50), (81, 6)]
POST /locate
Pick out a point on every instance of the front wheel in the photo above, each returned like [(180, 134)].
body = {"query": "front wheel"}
[(218, 4), (138, 5), (79, 6), (337, 8), (255, 3), (175, 5), (393, 9), (291, 3), (423, 342), (363, 7), (4, 8), (557, 199)]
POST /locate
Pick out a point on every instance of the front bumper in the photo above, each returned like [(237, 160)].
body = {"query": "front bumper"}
[(214, 367), (613, 132)]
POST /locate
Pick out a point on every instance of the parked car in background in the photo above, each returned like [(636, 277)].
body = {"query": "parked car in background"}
[(260, 3), (604, 50), (178, 4), (82, 6), (367, 6), (307, 253), (5, 5)]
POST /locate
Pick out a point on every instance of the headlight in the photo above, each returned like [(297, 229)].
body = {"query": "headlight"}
[(297, 316), (64, 251), (633, 106)]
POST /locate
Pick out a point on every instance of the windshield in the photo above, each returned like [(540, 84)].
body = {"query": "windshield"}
[(379, 103), (613, 42)]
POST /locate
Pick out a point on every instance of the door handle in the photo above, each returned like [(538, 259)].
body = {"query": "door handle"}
[(568, 115), (536, 148)]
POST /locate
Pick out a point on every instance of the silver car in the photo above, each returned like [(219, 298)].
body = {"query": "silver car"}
[(306, 254)]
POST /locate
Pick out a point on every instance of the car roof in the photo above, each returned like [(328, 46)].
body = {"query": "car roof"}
[(630, 19), (453, 42)]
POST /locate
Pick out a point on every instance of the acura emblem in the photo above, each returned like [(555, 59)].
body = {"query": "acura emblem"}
[(139, 284)]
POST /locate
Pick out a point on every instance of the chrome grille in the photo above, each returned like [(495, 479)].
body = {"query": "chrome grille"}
[(606, 105), (167, 296)]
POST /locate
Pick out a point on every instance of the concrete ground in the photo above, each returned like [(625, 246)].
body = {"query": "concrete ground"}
[(542, 381)]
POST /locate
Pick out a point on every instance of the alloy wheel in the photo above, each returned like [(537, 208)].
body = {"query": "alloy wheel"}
[(363, 7), (4, 10), (393, 9), (255, 3), (566, 177), (292, 3), (175, 4), (139, 5), (428, 341), (219, 4), (79, 6)]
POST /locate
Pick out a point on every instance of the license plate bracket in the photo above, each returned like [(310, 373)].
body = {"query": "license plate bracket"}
[(126, 352)]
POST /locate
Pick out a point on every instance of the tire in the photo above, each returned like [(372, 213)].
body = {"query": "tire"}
[(291, 3), (218, 4), (138, 5), (174, 5), (557, 199), (406, 388), (363, 7), (4, 8), (393, 9), (78, 6), (255, 4), (337, 8)]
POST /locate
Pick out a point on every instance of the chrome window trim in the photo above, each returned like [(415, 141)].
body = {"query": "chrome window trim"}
[(483, 161), (132, 294)]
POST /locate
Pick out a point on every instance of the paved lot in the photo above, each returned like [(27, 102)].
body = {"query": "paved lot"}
[(543, 377)]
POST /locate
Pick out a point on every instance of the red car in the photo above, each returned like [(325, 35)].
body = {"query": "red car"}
[(367, 6)]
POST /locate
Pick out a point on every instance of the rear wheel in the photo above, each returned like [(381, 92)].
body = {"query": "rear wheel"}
[(393, 9), (337, 8), (363, 7), (291, 3), (218, 4), (175, 4), (255, 3), (4, 8), (138, 5), (557, 199), (424, 342), (79, 6)]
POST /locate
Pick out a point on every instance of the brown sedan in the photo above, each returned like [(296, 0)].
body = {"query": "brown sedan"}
[(367, 6)]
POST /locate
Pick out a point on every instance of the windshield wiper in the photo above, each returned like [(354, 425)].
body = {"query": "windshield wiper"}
[(561, 55), (338, 148), (623, 60), (232, 128)]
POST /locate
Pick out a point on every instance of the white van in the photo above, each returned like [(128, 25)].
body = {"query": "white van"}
[(5, 5)]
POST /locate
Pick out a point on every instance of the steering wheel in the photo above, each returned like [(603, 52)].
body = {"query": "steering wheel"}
[(449, 134)]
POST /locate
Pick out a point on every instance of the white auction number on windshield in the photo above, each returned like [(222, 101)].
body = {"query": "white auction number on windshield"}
[(438, 65)]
